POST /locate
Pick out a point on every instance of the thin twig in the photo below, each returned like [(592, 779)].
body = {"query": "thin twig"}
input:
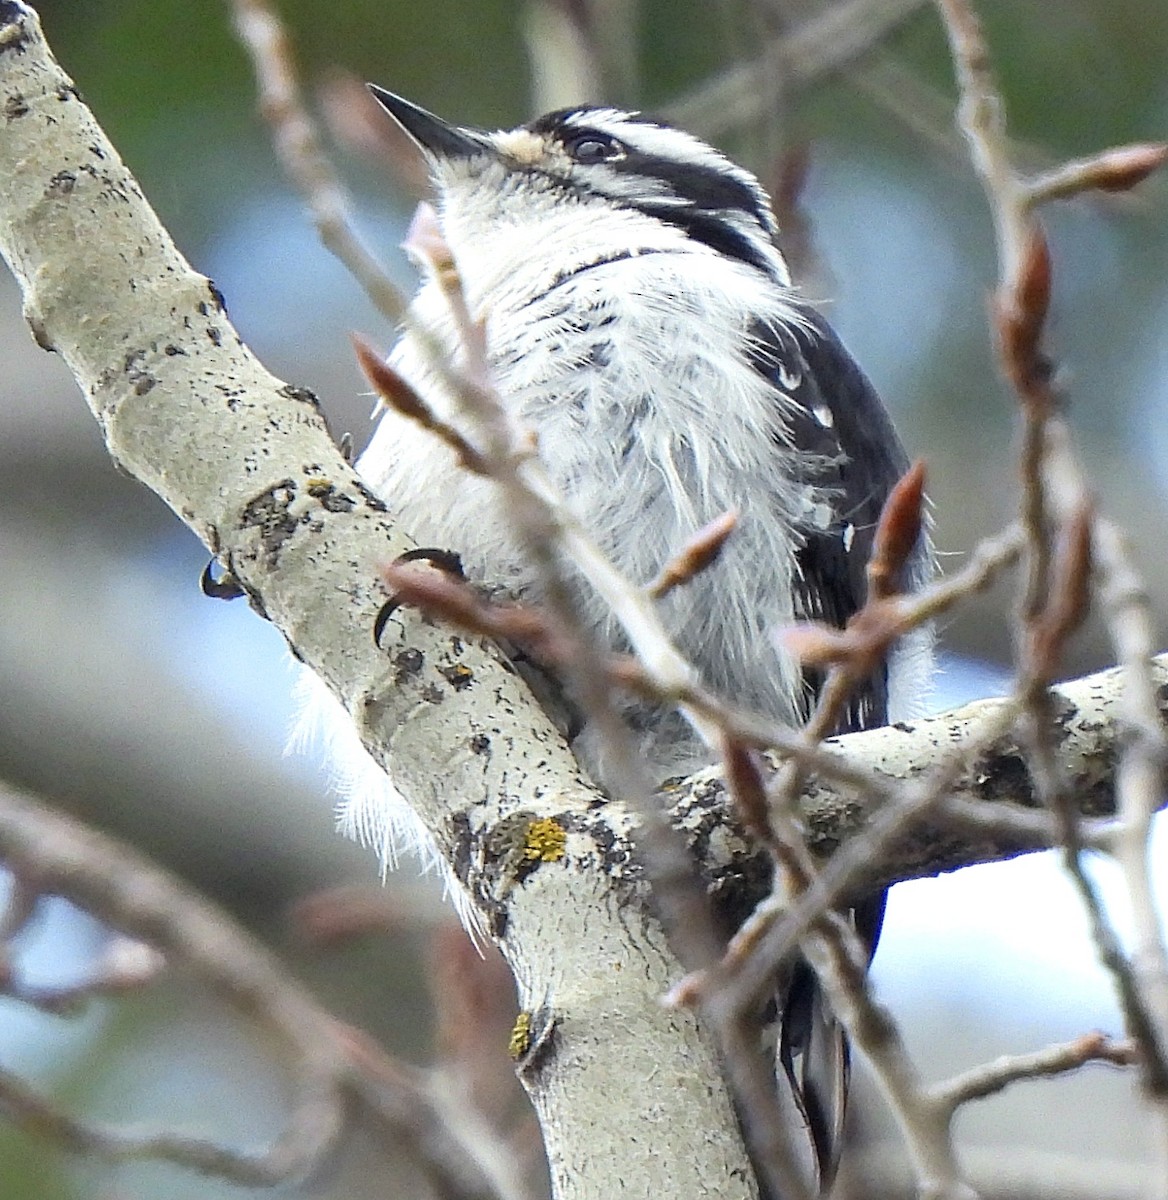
[(755, 945), (27, 1109), (992, 1077), (775, 929), (552, 534), (1114, 170), (300, 147), (1053, 470), (146, 903), (126, 965), (841, 963)]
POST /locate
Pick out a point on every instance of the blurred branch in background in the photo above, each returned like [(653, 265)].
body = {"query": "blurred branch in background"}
[(298, 142), (1070, 547), (1018, 1174), (567, 62), (445, 1116), (827, 41)]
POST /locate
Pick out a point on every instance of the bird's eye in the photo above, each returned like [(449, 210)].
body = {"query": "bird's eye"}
[(594, 148)]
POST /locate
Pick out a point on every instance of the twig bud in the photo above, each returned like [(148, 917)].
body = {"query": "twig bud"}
[(897, 533)]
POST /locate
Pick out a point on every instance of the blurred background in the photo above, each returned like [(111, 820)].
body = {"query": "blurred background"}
[(136, 703)]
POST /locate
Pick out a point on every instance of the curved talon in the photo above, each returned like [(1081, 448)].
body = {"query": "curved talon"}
[(223, 587), (449, 561), (382, 619)]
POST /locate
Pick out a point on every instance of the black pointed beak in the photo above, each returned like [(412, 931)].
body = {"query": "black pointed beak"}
[(436, 137)]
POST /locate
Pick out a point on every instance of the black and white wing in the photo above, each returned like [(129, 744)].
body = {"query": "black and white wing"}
[(851, 458)]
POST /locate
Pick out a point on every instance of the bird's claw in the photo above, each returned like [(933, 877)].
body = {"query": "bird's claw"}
[(219, 587), (444, 560)]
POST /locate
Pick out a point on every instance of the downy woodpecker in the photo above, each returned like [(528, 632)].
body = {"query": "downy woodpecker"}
[(641, 320)]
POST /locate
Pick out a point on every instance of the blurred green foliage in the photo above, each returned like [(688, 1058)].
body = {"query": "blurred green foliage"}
[(31, 1171)]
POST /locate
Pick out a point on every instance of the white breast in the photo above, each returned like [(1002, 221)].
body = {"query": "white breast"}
[(635, 377)]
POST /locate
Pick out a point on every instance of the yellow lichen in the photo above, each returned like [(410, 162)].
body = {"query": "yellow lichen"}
[(520, 1039), (544, 840), (458, 676)]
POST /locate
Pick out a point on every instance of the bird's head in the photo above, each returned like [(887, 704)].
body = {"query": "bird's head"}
[(600, 169)]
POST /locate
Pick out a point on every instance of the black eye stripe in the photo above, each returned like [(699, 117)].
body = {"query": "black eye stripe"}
[(706, 189), (706, 228), (704, 186)]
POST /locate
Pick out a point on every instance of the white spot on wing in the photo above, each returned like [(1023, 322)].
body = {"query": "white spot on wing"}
[(823, 415), (789, 379)]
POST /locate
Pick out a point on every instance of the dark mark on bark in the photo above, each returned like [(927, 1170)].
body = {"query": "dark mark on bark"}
[(292, 391), (235, 396), (462, 863), (734, 886), (15, 106), (408, 663), (372, 501), (13, 40), (61, 184), (269, 514), (616, 853), (460, 837), (39, 333), (136, 376), (329, 498), (1001, 774)]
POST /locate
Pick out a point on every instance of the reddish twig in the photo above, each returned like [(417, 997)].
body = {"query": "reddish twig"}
[(991, 1078), (1056, 495)]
